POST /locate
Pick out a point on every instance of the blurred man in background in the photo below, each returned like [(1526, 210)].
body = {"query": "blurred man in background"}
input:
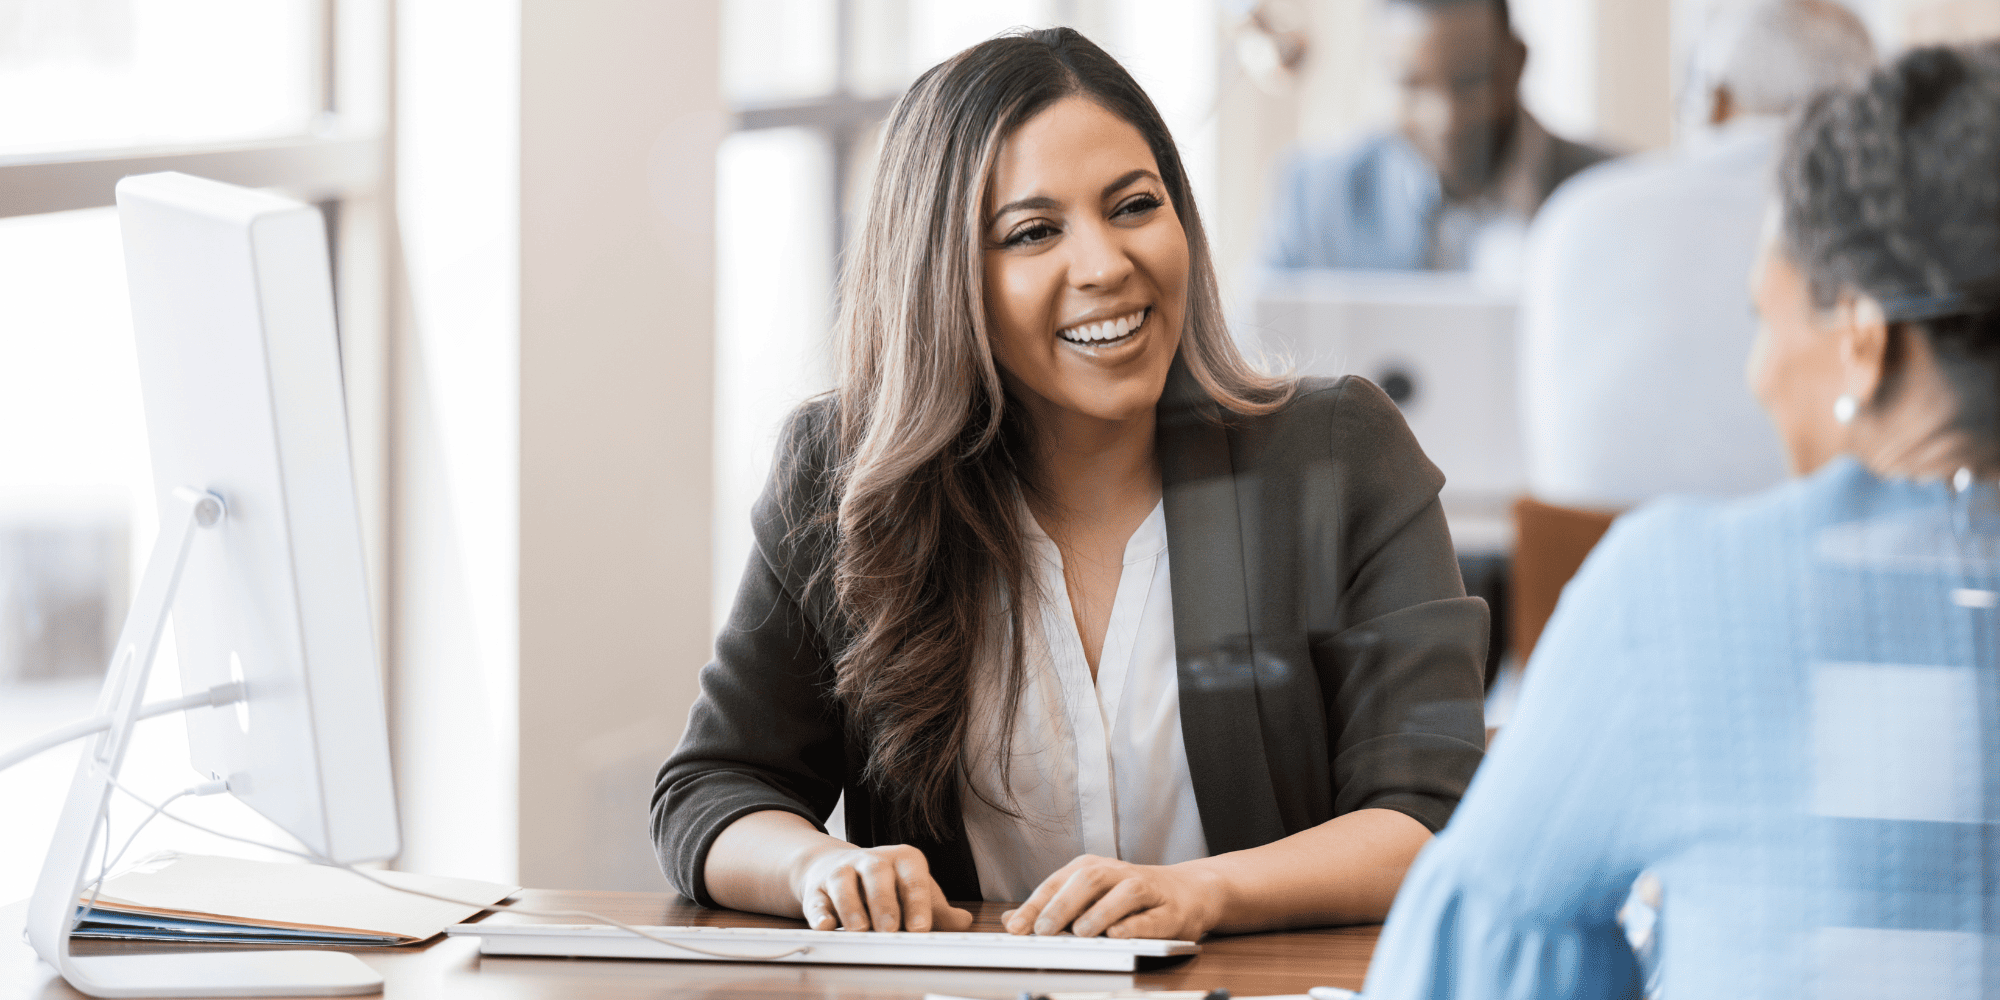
[(1458, 179), (1635, 316)]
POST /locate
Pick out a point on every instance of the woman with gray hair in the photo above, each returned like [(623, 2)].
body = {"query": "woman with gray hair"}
[(1633, 330), (1758, 749), (1768, 57), (961, 614)]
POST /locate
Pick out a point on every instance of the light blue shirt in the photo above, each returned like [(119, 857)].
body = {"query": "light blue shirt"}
[(1378, 204), (1787, 710), (1367, 207)]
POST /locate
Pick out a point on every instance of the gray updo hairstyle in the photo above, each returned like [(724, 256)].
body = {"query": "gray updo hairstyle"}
[(1892, 190)]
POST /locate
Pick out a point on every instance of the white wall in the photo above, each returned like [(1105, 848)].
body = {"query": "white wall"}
[(454, 619), (1927, 22), (774, 309), (1561, 82), (557, 189), (621, 115)]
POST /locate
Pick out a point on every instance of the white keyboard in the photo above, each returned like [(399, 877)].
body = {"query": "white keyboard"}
[(772, 944)]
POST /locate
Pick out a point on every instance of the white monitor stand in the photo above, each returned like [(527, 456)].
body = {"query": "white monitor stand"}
[(52, 910), (259, 561)]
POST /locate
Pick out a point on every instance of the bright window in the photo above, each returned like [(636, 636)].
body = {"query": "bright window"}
[(774, 50), (73, 473), (110, 73), (233, 89)]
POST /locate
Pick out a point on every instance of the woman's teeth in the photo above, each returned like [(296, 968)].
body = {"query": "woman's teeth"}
[(1110, 329)]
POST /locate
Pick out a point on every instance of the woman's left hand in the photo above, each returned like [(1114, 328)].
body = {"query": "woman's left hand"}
[(1093, 895)]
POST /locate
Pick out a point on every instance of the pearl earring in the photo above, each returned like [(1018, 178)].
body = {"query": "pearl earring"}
[(1846, 407)]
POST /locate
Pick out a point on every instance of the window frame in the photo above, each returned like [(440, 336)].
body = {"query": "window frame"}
[(345, 164), (839, 115)]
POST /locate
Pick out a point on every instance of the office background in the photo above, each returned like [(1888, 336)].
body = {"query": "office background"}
[(584, 255)]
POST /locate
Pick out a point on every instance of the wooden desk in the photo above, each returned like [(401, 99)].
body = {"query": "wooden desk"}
[(1246, 965)]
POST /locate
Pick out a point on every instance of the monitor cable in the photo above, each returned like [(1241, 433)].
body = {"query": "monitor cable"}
[(215, 697)]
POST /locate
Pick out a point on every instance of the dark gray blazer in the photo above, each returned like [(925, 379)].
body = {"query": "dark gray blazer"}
[(1329, 658)]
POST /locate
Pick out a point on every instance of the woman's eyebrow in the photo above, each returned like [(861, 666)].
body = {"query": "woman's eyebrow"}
[(1128, 178), (1042, 201)]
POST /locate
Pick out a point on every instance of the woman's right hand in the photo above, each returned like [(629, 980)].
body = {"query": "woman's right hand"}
[(874, 889)]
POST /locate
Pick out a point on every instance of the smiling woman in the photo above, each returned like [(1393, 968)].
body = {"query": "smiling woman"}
[(1086, 286), (1075, 607)]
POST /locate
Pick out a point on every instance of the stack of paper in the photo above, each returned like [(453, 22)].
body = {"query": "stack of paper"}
[(189, 897)]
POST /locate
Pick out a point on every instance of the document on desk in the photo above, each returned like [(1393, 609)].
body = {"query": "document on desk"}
[(191, 897)]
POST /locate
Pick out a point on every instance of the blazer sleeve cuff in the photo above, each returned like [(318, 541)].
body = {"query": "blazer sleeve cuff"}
[(700, 819), (1421, 774), (1433, 812)]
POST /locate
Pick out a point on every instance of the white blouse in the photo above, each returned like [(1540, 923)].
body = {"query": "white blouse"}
[(1098, 768)]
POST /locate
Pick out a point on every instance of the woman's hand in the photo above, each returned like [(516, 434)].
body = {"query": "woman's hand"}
[(874, 889), (779, 862), (1093, 895)]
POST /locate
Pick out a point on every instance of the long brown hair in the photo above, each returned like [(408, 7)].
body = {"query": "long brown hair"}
[(932, 456)]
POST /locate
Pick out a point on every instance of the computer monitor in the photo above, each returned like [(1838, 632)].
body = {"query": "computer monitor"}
[(260, 562), (1439, 343)]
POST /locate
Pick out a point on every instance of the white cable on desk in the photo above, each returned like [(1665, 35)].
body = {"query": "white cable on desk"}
[(110, 860), (217, 696), (160, 810)]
